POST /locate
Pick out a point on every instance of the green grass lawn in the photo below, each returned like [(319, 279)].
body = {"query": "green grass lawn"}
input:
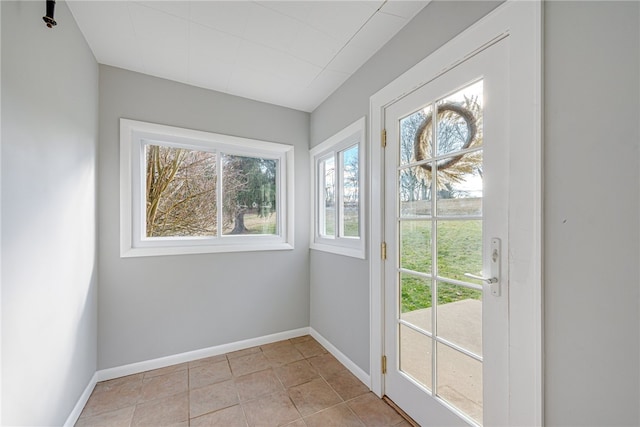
[(350, 222), (260, 225), (459, 252)]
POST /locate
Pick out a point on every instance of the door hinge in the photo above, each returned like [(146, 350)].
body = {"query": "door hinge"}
[(384, 138), (383, 250), (384, 365)]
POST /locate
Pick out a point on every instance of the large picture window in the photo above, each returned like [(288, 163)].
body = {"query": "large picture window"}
[(185, 191), (337, 189)]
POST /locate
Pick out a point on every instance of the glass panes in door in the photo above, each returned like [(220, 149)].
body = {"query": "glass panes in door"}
[(439, 228)]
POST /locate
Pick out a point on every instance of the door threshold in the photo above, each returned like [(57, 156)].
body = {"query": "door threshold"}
[(400, 411)]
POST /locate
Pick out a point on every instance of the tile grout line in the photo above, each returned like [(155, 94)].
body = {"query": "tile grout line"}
[(322, 370), (188, 395), (233, 377)]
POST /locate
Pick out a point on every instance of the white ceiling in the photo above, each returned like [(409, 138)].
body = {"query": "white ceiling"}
[(289, 53)]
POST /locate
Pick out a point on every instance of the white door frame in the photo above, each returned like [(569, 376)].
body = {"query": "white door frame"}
[(521, 23)]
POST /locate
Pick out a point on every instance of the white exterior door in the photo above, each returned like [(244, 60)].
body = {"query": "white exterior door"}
[(446, 280)]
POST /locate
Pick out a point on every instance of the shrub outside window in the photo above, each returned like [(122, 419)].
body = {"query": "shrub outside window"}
[(185, 191), (337, 193)]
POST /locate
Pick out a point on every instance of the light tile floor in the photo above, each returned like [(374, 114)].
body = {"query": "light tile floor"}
[(293, 382)]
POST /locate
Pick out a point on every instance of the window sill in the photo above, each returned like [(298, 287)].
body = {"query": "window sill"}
[(191, 250), (339, 250)]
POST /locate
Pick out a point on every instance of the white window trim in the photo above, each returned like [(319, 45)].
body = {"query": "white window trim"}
[(348, 137), (132, 136)]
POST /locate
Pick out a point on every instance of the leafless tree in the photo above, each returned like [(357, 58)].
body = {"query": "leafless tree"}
[(180, 192)]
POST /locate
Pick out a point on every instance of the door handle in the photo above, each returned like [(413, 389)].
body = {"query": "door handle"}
[(494, 280), (487, 280)]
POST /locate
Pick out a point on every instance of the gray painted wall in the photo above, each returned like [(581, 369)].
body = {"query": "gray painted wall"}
[(592, 283), (592, 103), (153, 307), (339, 285), (159, 306), (49, 144)]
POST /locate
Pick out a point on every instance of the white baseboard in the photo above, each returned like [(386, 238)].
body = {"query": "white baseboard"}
[(82, 401), (355, 369), (135, 368), (148, 365)]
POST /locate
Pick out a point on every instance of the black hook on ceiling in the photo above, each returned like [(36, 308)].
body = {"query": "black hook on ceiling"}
[(48, 18)]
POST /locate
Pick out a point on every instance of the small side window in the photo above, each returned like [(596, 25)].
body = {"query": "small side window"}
[(337, 191)]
